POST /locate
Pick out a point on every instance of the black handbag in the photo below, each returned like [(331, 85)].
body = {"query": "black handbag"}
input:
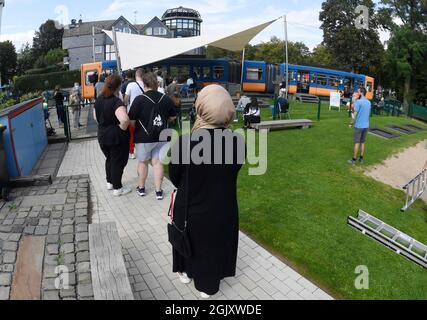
[(179, 238)]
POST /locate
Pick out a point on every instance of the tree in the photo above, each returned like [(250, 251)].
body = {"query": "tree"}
[(48, 37), (351, 48), (26, 59), (8, 61), (322, 56), (407, 48)]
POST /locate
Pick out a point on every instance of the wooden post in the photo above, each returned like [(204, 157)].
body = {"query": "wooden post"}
[(319, 105)]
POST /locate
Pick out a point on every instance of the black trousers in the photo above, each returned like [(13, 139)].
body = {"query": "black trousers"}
[(251, 119), (117, 159)]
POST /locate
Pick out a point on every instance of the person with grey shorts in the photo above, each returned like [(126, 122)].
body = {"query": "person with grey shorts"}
[(149, 110), (360, 115)]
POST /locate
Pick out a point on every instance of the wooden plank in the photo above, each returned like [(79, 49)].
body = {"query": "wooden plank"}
[(109, 276), (26, 284), (35, 180)]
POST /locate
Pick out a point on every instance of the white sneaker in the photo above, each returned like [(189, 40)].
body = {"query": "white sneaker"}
[(121, 192), (110, 186), (132, 156), (183, 277), (204, 295)]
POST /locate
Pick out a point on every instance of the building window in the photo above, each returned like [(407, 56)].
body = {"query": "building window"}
[(321, 80), (334, 81), (218, 72), (160, 31), (98, 49), (110, 52), (254, 74), (149, 32)]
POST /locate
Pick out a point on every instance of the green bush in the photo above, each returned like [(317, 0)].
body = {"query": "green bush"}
[(47, 81), (48, 69)]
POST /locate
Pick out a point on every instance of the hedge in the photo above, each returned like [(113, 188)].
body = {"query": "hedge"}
[(47, 81), (48, 69)]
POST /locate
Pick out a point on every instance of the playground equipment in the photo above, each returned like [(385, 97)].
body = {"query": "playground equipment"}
[(383, 133), (414, 190), (404, 130), (392, 238)]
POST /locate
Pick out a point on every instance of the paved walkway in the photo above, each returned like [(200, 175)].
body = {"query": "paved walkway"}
[(141, 223)]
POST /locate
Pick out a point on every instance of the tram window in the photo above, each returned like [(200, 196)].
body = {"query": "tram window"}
[(334, 81), (180, 72), (369, 86), (313, 78), (207, 72), (89, 77), (254, 74), (321, 80), (218, 72)]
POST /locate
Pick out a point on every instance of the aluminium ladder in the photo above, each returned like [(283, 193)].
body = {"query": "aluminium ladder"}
[(414, 189), (394, 239)]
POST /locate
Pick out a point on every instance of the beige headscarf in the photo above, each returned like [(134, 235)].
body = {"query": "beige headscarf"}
[(214, 108)]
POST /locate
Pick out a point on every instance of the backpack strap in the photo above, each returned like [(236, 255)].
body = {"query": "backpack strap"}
[(144, 95)]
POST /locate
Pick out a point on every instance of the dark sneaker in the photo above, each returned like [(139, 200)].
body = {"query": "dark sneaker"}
[(159, 195), (352, 162), (140, 191), (361, 160)]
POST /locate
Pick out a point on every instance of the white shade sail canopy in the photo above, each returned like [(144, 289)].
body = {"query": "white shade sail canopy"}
[(137, 50)]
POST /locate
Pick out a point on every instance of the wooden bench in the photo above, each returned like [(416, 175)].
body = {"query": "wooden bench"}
[(281, 124), (109, 276)]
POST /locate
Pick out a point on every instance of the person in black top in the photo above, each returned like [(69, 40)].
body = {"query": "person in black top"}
[(207, 195), (113, 133), (128, 79), (150, 113), (59, 103)]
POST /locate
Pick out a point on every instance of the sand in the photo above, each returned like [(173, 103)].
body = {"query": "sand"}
[(400, 168)]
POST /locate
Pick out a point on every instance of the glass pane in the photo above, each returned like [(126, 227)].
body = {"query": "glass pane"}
[(218, 72)]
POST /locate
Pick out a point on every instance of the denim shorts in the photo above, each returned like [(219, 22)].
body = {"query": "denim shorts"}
[(149, 151), (360, 135)]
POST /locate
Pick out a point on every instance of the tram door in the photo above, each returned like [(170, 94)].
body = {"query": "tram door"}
[(303, 82)]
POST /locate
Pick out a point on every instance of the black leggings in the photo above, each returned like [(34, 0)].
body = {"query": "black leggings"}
[(117, 159)]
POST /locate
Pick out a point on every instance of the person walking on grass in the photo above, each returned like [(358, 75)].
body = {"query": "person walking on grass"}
[(360, 118), (133, 90), (150, 113), (113, 133)]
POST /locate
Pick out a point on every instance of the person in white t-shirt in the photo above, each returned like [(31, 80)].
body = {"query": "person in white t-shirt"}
[(133, 90), (160, 81)]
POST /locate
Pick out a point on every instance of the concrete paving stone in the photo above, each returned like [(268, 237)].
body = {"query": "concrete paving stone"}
[(174, 295), (10, 246), (52, 239), (243, 292), (83, 256), (67, 222), (7, 267), (44, 222), (140, 286), (83, 267), (51, 260), (17, 229), (277, 273), (68, 293), (85, 290), (5, 228), (19, 222), (9, 257), (79, 220), (52, 249), (81, 205), (307, 284), (66, 238), (44, 200), (82, 246), (295, 286), (132, 271), (83, 227), (57, 215), (7, 222), (322, 294), (253, 275), (228, 291), (51, 295), (165, 283), (279, 285), (49, 284), (155, 269), (68, 215), (55, 222), (291, 273), (28, 209), (41, 230), (151, 281), (135, 254), (160, 259), (58, 207), (84, 278), (49, 271), (261, 294), (82, 236), (22, 215), (159, 294), (67, 229), (5, 279), (279, 296), (142, 267), (67, 248), (307, 295), (4, 293), (70, 258), (265, 274), (145, 295), (292, 295), (53, 230)]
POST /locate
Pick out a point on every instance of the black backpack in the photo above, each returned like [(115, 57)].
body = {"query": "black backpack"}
[(158, 122)]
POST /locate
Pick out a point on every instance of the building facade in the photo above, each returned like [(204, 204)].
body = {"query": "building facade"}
[(79, 36)]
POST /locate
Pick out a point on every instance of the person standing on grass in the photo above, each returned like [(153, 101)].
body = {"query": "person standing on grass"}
[(133, 90), (207, 195), (150, 113), (113, 134), (360, 118)]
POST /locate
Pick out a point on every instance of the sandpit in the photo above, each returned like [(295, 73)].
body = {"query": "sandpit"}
[(397, 170)]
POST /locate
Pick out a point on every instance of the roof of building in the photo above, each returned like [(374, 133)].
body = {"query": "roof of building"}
[(181, 12), (85, 28)]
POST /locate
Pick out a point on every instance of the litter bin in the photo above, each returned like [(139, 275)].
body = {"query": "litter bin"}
[(4, 175)]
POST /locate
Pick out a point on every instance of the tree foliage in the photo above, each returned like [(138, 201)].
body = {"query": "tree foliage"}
[(8, 61), (48, 37)]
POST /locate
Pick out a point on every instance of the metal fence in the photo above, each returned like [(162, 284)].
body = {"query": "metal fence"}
[(418, 112)]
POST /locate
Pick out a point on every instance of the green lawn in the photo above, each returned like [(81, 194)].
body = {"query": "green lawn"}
[(299, 208)]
